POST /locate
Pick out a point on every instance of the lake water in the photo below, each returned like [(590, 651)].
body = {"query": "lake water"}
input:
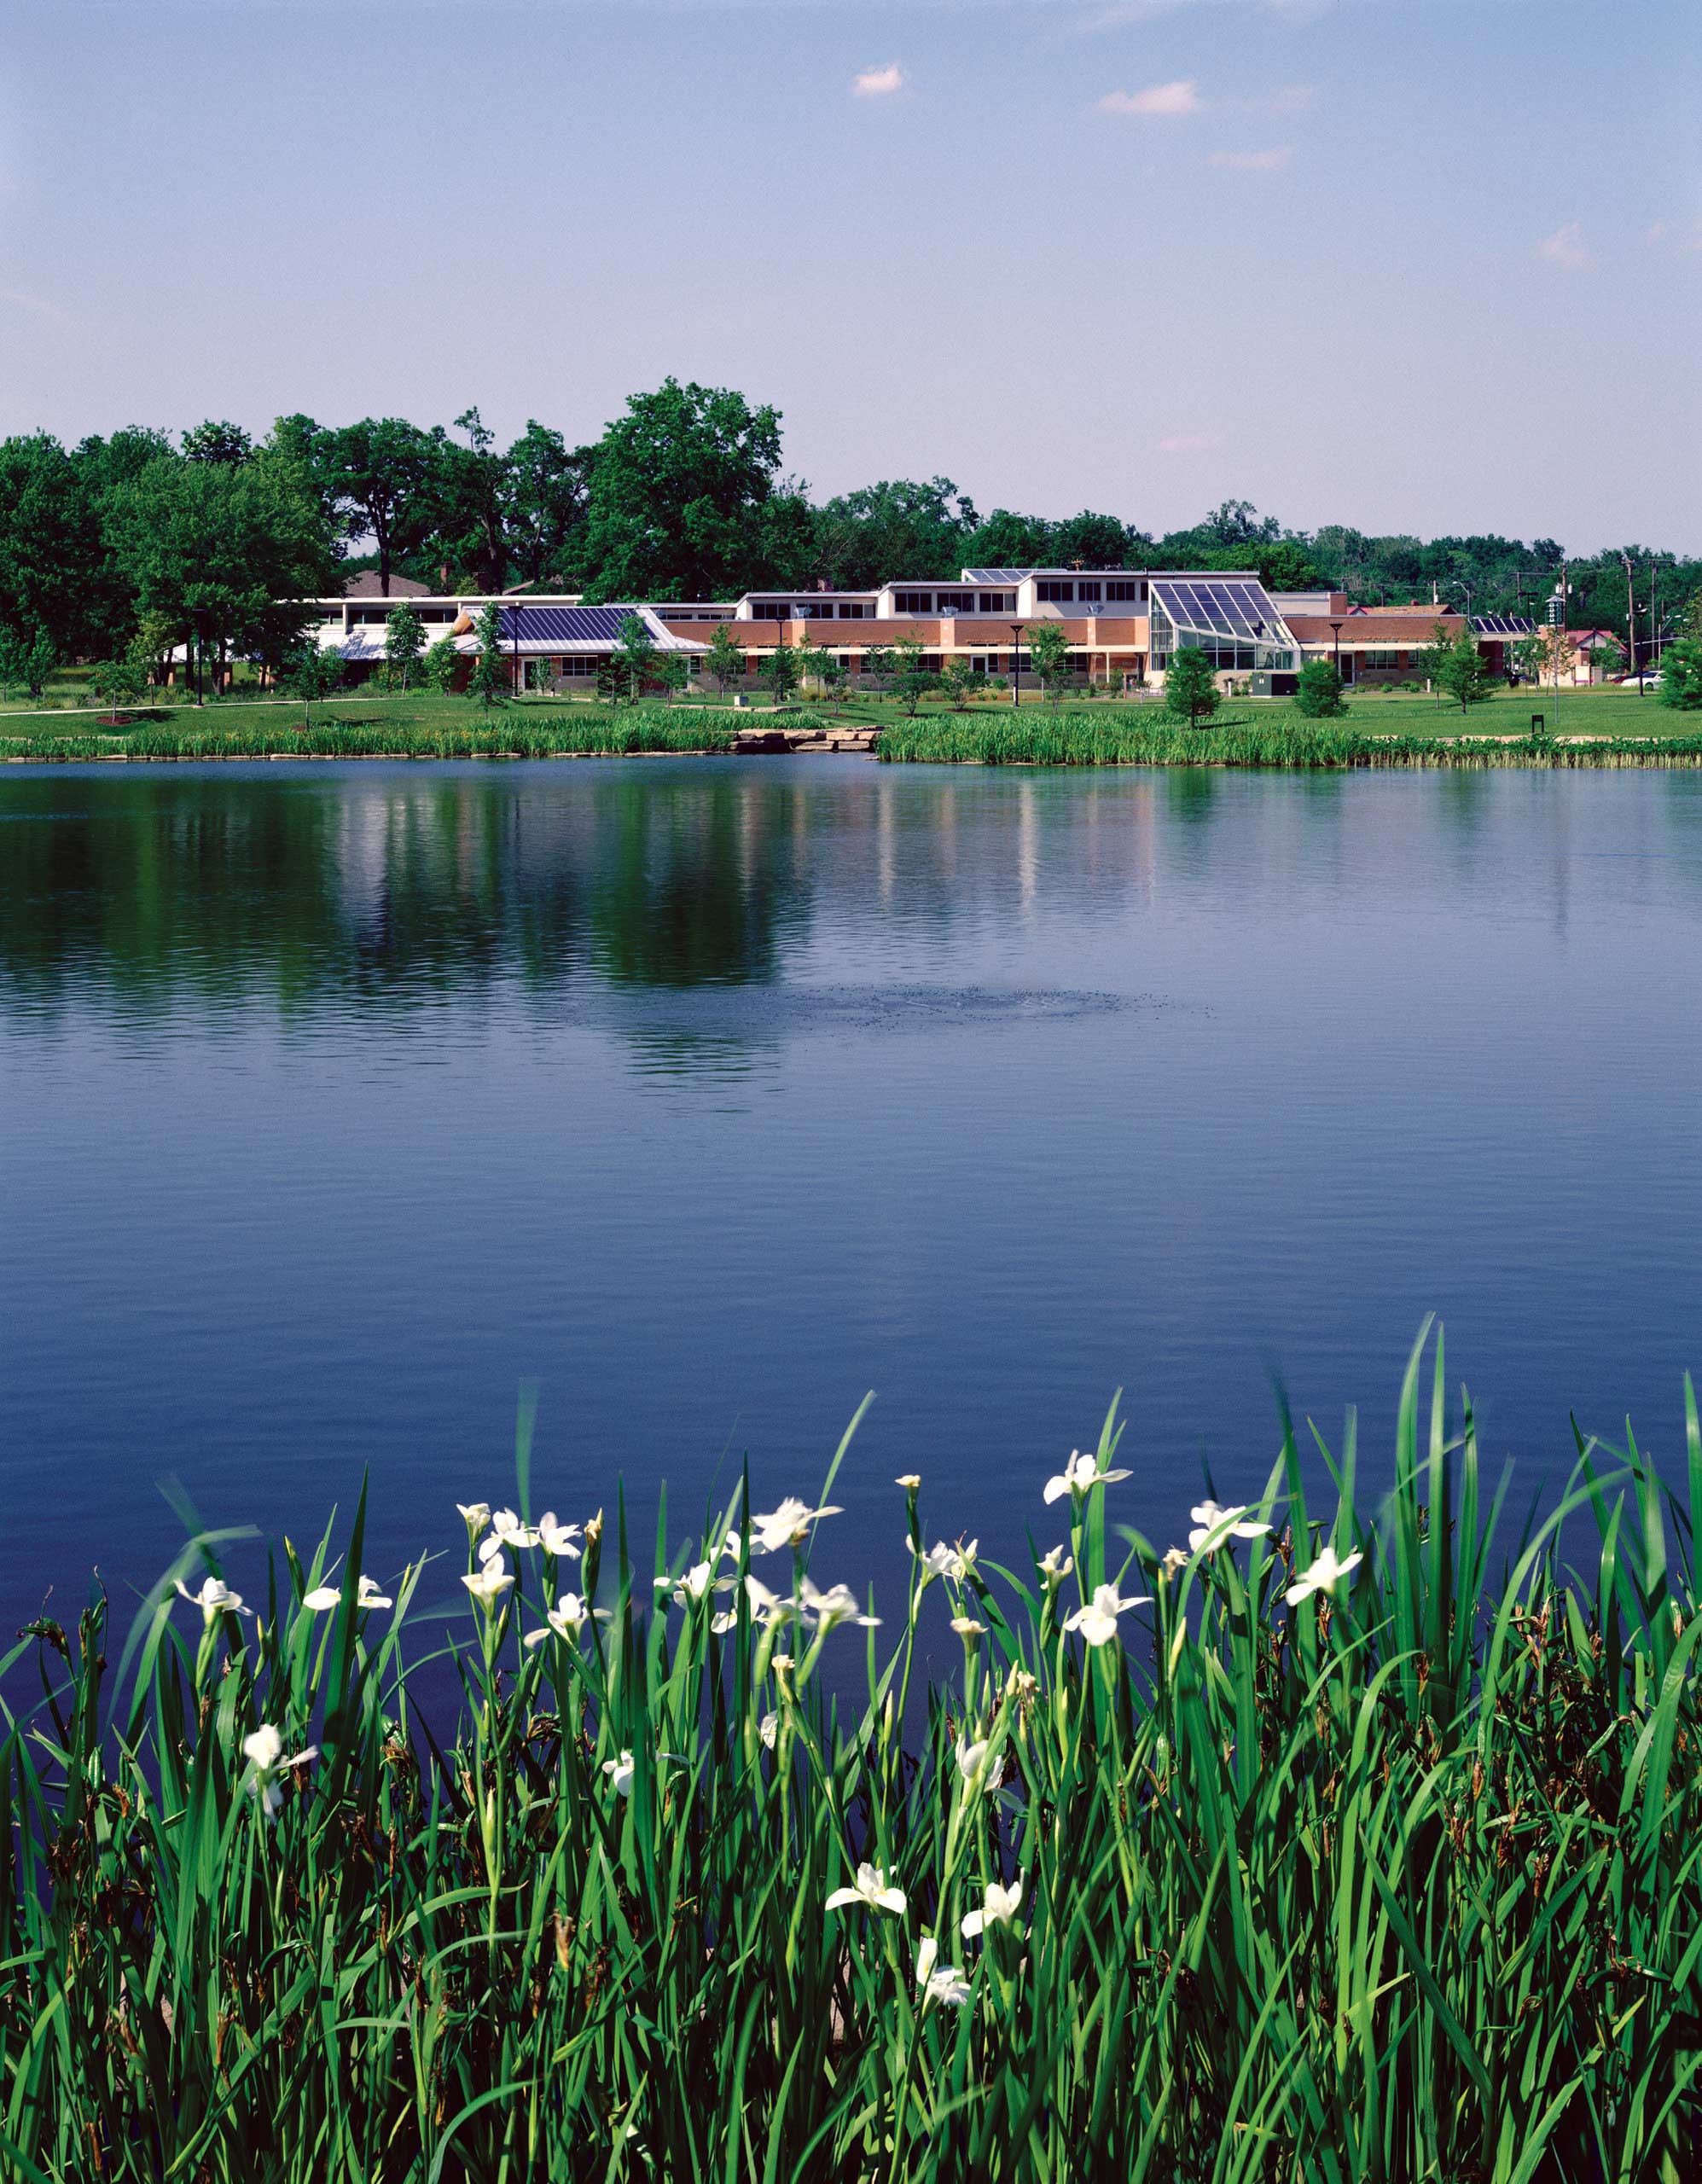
[(339, 1100)]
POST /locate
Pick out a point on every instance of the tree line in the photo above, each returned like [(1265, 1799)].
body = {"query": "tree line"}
[(140, 541)]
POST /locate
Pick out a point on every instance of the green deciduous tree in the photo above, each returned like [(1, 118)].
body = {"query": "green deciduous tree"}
[(489, 680), (780, 673), (1048, 657), (900, 528), (634, 659), (384, 478), (1317, 690), (1191, 689), (724, 661), (879, 668), (681, 498), (312, 676), (441, 664), (542, 499), (912, 678), (236, 547), (1457, 669), (54, 573), (116, 683), (28, 658), (961, 682), (404, 640)]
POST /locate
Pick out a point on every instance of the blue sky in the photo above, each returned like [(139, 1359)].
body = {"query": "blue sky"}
[(1412, 264)]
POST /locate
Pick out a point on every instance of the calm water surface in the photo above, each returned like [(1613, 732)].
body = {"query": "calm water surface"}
[(337, 1101)]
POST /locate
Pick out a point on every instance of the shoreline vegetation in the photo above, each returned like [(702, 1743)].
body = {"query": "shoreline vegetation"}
[(1334, 1843), (1603, 730)]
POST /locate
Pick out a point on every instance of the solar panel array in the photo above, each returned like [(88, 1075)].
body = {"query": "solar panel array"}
[(1242, 610), (1503, 625), (566, 625), (996, 576)]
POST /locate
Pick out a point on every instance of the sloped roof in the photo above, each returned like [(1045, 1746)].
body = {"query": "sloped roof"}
[(365, 585), (574, 629)]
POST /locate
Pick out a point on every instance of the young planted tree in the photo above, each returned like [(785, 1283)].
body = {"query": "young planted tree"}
[(960, 682), (1048, 657), (912, 677), (404, 640), (879, 668), (779, 672), (116, 683), (1458, 669), (1317, 690), (40, 657), (1191, 689), (634, 660), (489, 681), (724, 661), (440, 666), (815, 665), (671, 671), (312, 676)]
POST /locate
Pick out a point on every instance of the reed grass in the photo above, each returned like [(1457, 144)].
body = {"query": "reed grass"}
[(1400, 1881), (1144, 736), (506, 735)]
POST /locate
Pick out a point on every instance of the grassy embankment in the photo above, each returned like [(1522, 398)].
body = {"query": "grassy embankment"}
[(427, 728), (1275, 735), (1399, 1880)]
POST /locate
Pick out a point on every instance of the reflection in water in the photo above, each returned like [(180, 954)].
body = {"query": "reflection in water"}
[(337, 1100), (391, 888)]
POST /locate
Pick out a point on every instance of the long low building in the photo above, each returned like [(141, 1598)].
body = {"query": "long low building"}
[(1120, 627)]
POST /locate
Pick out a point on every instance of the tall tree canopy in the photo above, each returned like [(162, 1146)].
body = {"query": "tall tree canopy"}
[(683, 498), (902, 527)]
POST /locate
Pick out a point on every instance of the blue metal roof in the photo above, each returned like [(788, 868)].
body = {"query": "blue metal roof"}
[(566, 625)]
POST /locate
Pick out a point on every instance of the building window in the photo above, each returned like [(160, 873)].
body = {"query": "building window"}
[(1087, 591), (913, 602), (1125, 588), (1052, 588), (931, 662), (957, 602), (1381, 657), (852, 610), (998, 602), (577, 663)]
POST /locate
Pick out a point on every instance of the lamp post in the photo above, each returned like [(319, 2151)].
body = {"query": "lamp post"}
[(1335, 632), (514, 636), (1017, 629), (198, 616)]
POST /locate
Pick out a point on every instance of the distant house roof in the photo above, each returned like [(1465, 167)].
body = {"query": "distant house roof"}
[(366, 585)]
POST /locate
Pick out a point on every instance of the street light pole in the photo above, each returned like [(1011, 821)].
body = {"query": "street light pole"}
[(1335, 632), (1017, 629)]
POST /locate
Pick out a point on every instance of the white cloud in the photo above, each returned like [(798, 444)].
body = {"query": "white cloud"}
[(1565, 247), (1166, 99), (1254, 162), (39, 305), (1189, 443), (878, 83)]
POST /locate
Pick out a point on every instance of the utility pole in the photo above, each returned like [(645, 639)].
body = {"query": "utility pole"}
[(1654, 622), (1631, 626)]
